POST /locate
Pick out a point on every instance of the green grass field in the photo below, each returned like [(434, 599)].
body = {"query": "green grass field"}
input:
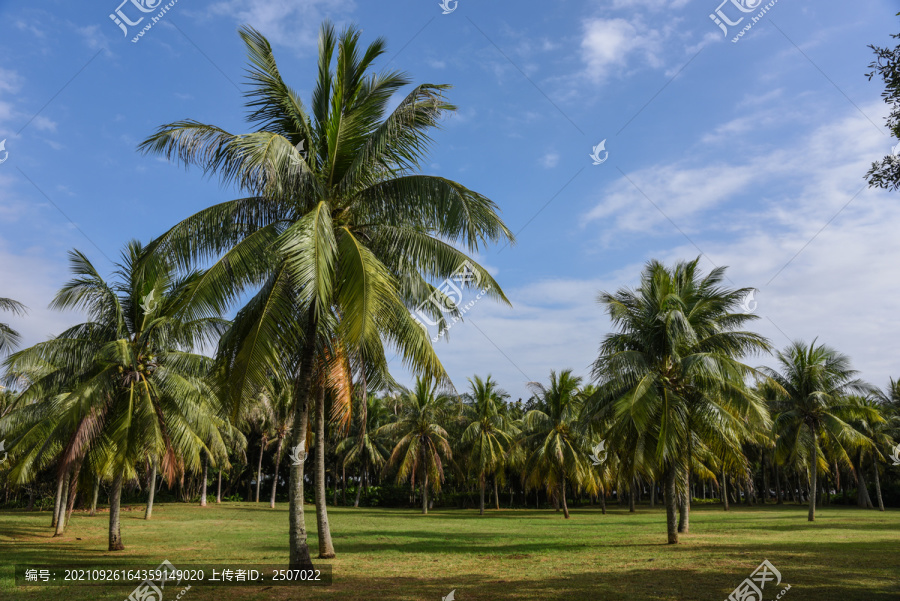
[(402, 555)]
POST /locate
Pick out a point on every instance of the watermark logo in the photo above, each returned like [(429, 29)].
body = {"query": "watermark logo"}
[(740, 9), (895, 153), (299, 454), (895, 456), (599, 453), (149, 302), (152, 588), (749, 303), (3, 450), (449, 6), (751, 589), (447, 299), (601, 147), (139, 9), (4, 151), (450, 597)]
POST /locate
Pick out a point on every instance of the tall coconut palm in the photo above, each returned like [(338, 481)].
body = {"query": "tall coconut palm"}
[(813, 385), (489, 434), (339, 233), (558, 451), (422, 442), (672, 370), (122, 385)]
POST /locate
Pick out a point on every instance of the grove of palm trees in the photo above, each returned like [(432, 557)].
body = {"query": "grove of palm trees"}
[(260, 385)]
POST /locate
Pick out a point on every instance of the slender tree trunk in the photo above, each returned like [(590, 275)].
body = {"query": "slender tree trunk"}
[(334, 493), (115, 503), (299, 548), (30, 499), (481, 496), (631, 496), (60, 484), (765, 475), (152, 493), (684, 510), (326, 547), (262, 448), (877, 484), (343, 484), (73, 491), (724, 491), (670, 498), (603, 501), (277, 466), (203, 483), (496, 494), (562, 496), (64, 501), (359, 487), (813, 454), (219, 488), (95, 495), (425, 495), (652, 493), (862, 488), (778, 495)]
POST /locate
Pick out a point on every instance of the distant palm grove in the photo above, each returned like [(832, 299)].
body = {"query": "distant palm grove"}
[(243, 355)]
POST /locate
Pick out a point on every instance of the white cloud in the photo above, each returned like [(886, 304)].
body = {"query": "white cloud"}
[(609, 43), (292, 23), (550, 160)]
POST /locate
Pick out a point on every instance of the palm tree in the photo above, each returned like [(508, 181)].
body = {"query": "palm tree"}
[(670, 378), (422, 446), (366, 446), (878, 431), (337, 226), (9, 338), (489, 434), (120, 387), (557, 448), (813, 383)]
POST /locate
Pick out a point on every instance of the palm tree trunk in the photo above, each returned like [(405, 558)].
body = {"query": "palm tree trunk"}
[(496, 494), (652, 493), (335, 488), (684, 510), (203, 483), (603, 501), (425, 494), (299, 548), (96, 494), (778, 495), (262, 448), (277, 466), (562, 495), (631, 495), (64, 501), (813, 454), (670, 498), (481, 497), (219, 489), (343, 484), (862, 487), (73, 491), (359, 485), (115, 526), (724, 491), (60, 484), (326, 547), (152, 494), (877, 484)]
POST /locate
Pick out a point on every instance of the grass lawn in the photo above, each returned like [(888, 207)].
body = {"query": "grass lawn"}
[(390, 554)]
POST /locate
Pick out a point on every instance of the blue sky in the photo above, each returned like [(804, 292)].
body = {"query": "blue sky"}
[(742, 151)]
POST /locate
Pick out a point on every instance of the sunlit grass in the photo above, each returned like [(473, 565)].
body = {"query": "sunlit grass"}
[(400, 554)]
